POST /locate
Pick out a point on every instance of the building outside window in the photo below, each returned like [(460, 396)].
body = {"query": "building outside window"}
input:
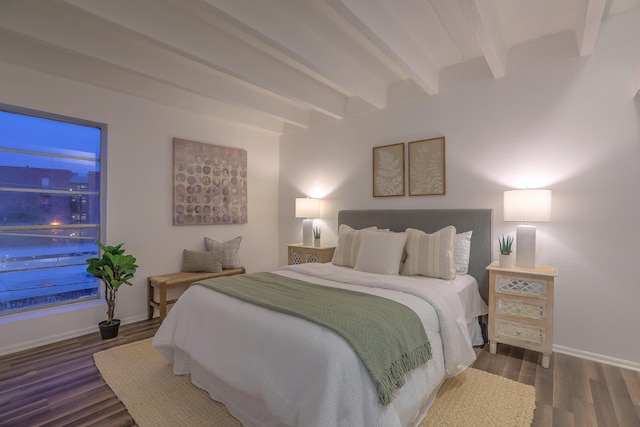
[(50, 208)]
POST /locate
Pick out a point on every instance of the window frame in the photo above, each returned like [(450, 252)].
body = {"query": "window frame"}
[(80, 303)]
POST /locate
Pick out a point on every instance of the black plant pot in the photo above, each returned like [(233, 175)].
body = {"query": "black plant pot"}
[(108, 331)]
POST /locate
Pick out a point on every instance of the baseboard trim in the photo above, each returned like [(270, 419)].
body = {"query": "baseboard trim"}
[(63, 336), (607, 360)]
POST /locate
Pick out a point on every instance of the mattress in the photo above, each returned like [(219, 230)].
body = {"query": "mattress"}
[(272, 369)]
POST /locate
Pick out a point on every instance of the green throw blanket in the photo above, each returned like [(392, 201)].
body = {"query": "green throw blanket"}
[(387, 336)]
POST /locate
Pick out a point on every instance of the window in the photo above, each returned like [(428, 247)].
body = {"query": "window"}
[(50, 208)]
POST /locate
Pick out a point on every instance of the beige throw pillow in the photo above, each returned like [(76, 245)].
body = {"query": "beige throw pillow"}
[(193, 261), (230, 258), (430, 255), (346, 252)]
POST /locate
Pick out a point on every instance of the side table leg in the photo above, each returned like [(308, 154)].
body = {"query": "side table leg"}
[(546, 358), (163, 302), (493, 347), (149, 299)]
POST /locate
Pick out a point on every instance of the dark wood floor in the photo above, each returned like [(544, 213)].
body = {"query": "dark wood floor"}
[(59, 385)]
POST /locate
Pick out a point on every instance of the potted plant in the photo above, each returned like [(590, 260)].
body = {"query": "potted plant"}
[(505, 243), (317, 231), (114, 268)]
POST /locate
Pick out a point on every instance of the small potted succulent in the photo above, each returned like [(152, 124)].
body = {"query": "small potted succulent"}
[(505, 243), (317, 231), (114, 268)]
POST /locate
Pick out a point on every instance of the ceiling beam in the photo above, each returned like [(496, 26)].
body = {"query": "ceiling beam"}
[(61, 63), (98, 39), (374, 22), (486, 29), (166, 23), (316, 44), (588, 20), (358, 38)]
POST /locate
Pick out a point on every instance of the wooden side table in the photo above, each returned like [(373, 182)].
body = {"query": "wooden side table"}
[(176, 281), (300, 254), (521, 308)]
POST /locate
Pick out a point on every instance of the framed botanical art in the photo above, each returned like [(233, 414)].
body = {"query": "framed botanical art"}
[(388, 170), (209, 184), (427, 167)]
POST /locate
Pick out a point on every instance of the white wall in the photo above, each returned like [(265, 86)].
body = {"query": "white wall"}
[(140, 197), (571, 126)]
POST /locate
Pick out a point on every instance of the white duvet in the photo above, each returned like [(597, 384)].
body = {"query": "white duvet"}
[(272, 369)]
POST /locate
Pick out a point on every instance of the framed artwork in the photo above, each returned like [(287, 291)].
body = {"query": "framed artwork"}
[(427, 167), (209, 184), (388, 170)]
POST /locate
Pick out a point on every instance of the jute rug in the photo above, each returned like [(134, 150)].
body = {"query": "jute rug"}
[(154, 396)]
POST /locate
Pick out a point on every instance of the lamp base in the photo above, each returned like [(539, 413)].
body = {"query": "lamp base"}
[(307, 232), (526, 246)]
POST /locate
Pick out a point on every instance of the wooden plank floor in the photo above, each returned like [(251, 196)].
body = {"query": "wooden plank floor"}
[(59, 385), (572, 391)]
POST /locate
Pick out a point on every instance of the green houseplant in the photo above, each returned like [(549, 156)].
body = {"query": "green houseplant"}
[(505, 243), (317, 231), (114, 268)]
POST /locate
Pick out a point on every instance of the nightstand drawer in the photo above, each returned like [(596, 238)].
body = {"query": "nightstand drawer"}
[(303, 257), (519, 285), (530, 309), (519, 331), (300, 254)]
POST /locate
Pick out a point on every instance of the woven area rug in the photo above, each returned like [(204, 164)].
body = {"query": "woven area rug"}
[(154, 396)]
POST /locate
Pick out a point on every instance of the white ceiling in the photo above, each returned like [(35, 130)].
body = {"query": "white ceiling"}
[(285, 65)]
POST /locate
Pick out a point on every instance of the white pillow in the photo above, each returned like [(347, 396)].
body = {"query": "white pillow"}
[(430, 255), (346, 251), (380, 252), (461, 250)]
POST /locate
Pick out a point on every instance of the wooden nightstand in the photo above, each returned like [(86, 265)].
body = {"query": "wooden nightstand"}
[(300, 254), (521, 308)]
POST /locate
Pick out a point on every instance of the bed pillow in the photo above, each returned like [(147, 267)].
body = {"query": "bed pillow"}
[(430, 255), (461, 251), (346, 251), (380, 252), (230, 258), (209, 262)]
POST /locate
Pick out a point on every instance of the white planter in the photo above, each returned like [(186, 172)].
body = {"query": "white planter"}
[(316, 243), (506, 261)]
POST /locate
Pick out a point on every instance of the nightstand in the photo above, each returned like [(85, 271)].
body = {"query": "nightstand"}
[(521, 308), (300, 254)]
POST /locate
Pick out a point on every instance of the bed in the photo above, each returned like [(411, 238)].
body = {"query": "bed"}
[(273, 369)]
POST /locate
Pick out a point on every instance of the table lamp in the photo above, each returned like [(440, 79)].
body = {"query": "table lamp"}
[(527, 206), (307, 208)]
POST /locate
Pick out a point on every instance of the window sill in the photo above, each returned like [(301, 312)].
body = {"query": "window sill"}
[(49, 311)]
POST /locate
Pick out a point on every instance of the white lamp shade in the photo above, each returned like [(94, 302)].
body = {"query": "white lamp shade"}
[(307, 207), (527, 205)]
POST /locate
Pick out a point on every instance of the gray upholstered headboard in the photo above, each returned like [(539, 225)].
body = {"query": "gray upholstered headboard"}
[(431, 220)]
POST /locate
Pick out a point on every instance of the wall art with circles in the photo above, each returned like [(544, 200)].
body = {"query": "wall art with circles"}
[(209, 184)]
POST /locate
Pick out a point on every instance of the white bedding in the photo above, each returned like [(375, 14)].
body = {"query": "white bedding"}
[(272, 369)]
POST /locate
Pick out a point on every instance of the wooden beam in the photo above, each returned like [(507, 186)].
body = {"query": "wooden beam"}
[(41, 57), (166, 23), (588, 21), (299, 35), (373, 21), (486, 30)]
